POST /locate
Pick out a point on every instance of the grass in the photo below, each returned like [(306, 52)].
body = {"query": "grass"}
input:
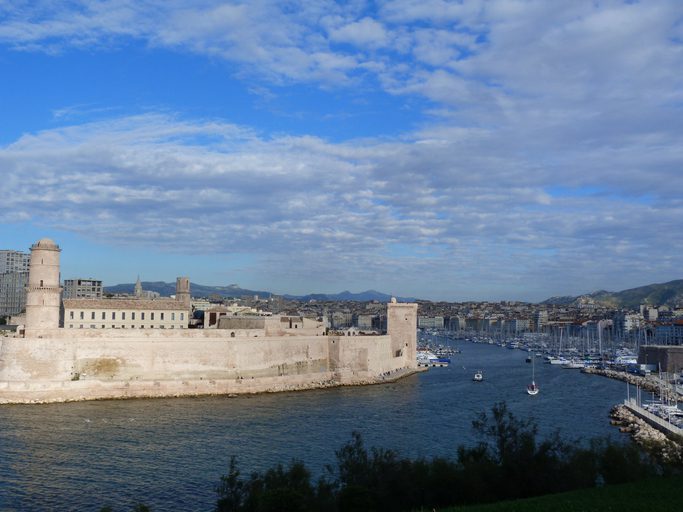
[(653, 495)]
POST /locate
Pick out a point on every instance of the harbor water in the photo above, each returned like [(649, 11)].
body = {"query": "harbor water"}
[(170, 453)]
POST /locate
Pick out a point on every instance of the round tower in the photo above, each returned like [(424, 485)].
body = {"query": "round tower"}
[(43, 293), (182, 291)]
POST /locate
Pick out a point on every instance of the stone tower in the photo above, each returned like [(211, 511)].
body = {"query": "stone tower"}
[(402, 327), (43, 293), (182, 291)]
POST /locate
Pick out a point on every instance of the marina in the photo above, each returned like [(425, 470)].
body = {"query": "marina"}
[(170, 453)]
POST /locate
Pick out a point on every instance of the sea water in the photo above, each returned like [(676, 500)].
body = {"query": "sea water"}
[(170, 453)]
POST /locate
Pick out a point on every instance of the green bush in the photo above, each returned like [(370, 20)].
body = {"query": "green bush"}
[(509, 462)]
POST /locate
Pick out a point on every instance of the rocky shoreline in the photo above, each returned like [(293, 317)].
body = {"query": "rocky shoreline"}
[(665, 448), (646, 383)]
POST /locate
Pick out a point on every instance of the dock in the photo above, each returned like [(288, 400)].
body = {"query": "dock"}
[(652, 419)]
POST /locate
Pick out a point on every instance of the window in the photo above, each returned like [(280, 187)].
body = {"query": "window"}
[(71, 315), (113, 315), (151, 316), (132, 315), (172, 316), (123, 315), (93, 326), (92, 316), (82, 314), (103, 315), (71, 326), (182, 316), (80, 326), (142, 327), (162, 315), (142, 316), (103, 327)]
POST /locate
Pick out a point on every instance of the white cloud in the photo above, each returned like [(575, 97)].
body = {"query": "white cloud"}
[(365, 32), (334, 211), (558, 141)]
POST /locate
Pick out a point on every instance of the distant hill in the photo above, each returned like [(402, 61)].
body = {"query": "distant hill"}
[(233, 290), (669, 294), (198, 290), (368, 295)]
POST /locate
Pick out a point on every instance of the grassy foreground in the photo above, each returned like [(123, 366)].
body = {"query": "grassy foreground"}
[(653, 495)]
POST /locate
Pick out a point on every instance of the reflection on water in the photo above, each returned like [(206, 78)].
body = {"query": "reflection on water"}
[(169, 453)]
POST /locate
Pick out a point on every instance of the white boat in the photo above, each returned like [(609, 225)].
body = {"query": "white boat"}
[(478, 376), (533, 388), (573, 365), (429, 358)]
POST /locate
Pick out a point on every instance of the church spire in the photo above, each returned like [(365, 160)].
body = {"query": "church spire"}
[(138, 288)]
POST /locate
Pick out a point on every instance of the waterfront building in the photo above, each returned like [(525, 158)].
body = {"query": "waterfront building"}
[(517, 325), (669, 334), (426, 322), (82, 289), (456, 323), (625, 323), (540, 320)]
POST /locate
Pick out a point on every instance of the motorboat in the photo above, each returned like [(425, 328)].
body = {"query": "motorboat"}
[(478, 376), (573, 365)]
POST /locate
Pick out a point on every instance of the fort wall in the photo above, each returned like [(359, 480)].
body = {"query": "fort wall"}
[(84, 362), (133, 364)]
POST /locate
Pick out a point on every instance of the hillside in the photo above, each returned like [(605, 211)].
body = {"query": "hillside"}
[(233, 290), (198, 290), (670, 294)]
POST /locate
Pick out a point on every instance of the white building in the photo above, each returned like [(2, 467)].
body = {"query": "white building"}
[(125, 314), (428, 322)]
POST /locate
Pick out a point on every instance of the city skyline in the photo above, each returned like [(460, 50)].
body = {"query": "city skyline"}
[(490, 150)]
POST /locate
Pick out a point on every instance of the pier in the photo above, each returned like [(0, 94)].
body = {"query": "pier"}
[(652, 419)]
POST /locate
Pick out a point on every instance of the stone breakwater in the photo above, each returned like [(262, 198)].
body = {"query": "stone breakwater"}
[(647, 383), (645, 435)]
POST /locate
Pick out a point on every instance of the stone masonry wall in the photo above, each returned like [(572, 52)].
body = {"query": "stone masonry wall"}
[(59, 368)]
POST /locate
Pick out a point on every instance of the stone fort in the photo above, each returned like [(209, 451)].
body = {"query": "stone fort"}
[(86, 349)]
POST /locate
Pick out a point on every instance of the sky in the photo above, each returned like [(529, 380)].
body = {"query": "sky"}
[(445, 150)]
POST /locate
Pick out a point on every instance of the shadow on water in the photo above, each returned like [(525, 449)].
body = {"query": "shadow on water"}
[(170, 453)]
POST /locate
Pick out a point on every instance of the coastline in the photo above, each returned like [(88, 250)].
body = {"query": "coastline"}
[(81, 391)]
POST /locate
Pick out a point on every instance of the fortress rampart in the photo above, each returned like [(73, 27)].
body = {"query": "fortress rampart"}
[(52, 364), (54, 369)]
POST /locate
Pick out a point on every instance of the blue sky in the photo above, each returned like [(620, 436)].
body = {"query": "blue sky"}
[(445, 150)]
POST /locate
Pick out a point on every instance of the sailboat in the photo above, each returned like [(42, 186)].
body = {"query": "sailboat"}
[(533, 388)]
